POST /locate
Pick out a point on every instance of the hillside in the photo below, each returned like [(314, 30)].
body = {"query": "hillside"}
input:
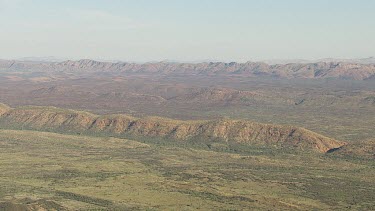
[(222, 130), (342, 70), (3, 108)]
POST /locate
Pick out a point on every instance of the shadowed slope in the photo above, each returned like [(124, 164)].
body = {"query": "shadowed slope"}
[(225, 130)]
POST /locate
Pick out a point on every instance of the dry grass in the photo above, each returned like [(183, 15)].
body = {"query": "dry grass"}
[(80, 172)]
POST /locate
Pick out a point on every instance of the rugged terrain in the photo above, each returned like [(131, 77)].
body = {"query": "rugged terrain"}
[(223, 130), (335, 108), (222, 136)]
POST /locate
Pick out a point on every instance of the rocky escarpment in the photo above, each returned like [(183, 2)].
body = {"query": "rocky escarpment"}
[(224, 130), (343, 70)]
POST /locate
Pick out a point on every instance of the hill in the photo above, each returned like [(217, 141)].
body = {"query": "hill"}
[(222, 130)]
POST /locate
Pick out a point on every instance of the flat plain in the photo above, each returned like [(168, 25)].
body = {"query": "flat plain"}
[(55, 171)]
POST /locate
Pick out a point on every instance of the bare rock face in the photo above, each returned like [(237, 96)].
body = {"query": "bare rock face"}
[(3, 109), (327, 69), (224, 130)]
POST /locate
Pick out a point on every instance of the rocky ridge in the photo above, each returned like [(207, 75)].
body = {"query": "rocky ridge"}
[(221, 130)]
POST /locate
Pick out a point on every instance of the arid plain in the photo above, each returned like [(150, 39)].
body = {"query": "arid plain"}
[(166, 136)]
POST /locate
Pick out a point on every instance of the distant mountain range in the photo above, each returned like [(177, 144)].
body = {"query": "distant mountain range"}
[(328, 68), (369, 60)]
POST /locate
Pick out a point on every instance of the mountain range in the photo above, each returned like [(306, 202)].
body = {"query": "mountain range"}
[(325, 69)]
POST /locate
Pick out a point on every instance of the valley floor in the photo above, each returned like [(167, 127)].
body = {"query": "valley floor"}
[(55, 171)]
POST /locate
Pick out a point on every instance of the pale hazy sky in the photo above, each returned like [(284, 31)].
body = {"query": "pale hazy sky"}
[(187, 30)]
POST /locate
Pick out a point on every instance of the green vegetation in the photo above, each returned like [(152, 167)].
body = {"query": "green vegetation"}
[(55, 171)]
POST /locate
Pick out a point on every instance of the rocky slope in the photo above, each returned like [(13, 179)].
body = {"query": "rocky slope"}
[(3, 109), (342, 70), (223, 130)]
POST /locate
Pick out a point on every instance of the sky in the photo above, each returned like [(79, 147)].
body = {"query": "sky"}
[(187, 30)]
